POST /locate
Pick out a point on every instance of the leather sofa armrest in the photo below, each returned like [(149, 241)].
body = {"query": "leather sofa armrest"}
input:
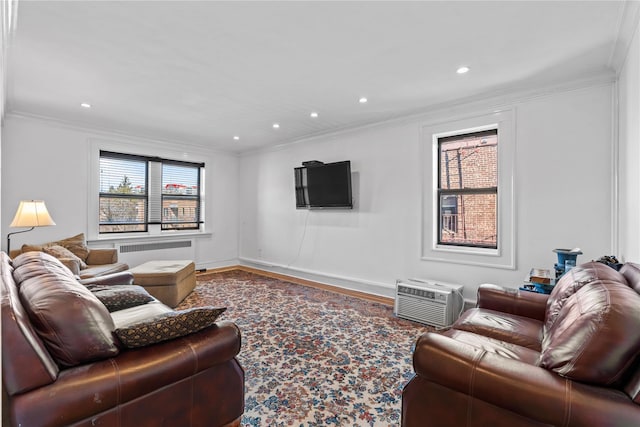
[(134, 374), (518, 387), (120, 278), (512, 301), (102, 256)]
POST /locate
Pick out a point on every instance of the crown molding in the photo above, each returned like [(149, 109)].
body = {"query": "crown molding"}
[(113, 134), (628, 23), (498, 99)]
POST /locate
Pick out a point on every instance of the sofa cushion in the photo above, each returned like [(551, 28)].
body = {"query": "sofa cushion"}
[(491, 345), (168, 326), (61, 252), (596, 335), (32, 264), (74, 325), (511, 328), (102, 270), (120, 297), (571, 282)]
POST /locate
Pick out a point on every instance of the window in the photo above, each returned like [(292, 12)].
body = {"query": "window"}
[(468, 212), (137, 191), (468, 189)]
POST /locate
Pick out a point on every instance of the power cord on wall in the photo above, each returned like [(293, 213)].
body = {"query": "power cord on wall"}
[(304, 233)]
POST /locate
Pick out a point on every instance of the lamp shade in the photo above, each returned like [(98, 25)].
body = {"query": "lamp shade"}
[(32, 213)]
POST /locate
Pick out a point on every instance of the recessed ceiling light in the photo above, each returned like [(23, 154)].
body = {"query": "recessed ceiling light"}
[(85, 105), (313, 114), (363, 100), (462, 70), (276, 126), (236, 137)]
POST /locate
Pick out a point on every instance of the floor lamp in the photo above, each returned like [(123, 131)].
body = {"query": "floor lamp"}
[(30, 213)]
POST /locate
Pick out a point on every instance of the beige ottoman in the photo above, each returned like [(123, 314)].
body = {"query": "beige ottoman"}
[(168, 281)]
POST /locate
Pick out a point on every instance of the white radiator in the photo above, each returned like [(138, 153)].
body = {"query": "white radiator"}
[(430, 302), (135, 253)]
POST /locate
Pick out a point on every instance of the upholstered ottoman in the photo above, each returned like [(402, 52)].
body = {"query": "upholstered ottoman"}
[(168, 281)]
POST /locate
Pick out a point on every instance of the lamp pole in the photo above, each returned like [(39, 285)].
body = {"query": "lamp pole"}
[(9, 239)]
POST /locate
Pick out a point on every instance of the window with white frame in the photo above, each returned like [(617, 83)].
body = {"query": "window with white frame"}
[(137, 191), (468, 202)]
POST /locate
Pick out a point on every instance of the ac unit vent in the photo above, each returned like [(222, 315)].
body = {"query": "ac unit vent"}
[(141, 247), (428, 302)]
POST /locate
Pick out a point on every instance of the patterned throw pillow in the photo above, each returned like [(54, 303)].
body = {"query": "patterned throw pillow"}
[(168, 326), (61, 252), (77, 245), (120, 297)]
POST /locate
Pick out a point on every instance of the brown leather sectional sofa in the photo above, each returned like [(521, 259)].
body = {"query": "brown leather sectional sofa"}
[(62, 365), (571, 358)]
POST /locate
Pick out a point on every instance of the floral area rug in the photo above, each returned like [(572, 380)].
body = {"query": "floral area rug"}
[(313, 357)]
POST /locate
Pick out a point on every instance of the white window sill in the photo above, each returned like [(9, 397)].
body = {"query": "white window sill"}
[(466, 250)]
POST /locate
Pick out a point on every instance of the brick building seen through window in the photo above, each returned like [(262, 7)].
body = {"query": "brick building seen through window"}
[(468, 189)]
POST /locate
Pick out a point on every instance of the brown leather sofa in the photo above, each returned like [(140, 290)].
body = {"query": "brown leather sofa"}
[(62, 364), (519, 358), (83, 261)]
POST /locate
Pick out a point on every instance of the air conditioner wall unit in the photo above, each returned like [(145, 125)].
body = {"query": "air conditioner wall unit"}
[(427, 301)]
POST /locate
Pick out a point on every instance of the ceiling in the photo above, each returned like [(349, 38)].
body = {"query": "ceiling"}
[(203, 72)]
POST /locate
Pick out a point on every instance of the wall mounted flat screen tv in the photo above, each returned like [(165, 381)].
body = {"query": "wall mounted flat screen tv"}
[(323, 185)]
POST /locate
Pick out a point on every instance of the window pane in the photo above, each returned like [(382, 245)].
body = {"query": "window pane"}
[(119, 214), (468, 220), (179, 212), (469, 161), (122, 176), (178, 179)]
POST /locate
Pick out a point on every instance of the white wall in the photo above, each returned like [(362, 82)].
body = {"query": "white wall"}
[(629, 134), (563, 184), (48, 161)]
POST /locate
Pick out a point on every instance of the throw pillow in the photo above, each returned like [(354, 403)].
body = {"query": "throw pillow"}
[(75, 244), (120, 297), (62, 252), (168, 326)]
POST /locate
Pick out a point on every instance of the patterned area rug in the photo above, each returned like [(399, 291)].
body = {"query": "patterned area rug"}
[(313, 357)]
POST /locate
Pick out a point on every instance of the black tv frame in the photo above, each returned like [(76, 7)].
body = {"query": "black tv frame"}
[(304, 200)]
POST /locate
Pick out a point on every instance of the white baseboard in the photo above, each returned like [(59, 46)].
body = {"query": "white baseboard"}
[(350, 283), (217, 264), (354, 284)]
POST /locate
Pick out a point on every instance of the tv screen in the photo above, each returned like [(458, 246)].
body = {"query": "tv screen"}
[(324, 185)]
